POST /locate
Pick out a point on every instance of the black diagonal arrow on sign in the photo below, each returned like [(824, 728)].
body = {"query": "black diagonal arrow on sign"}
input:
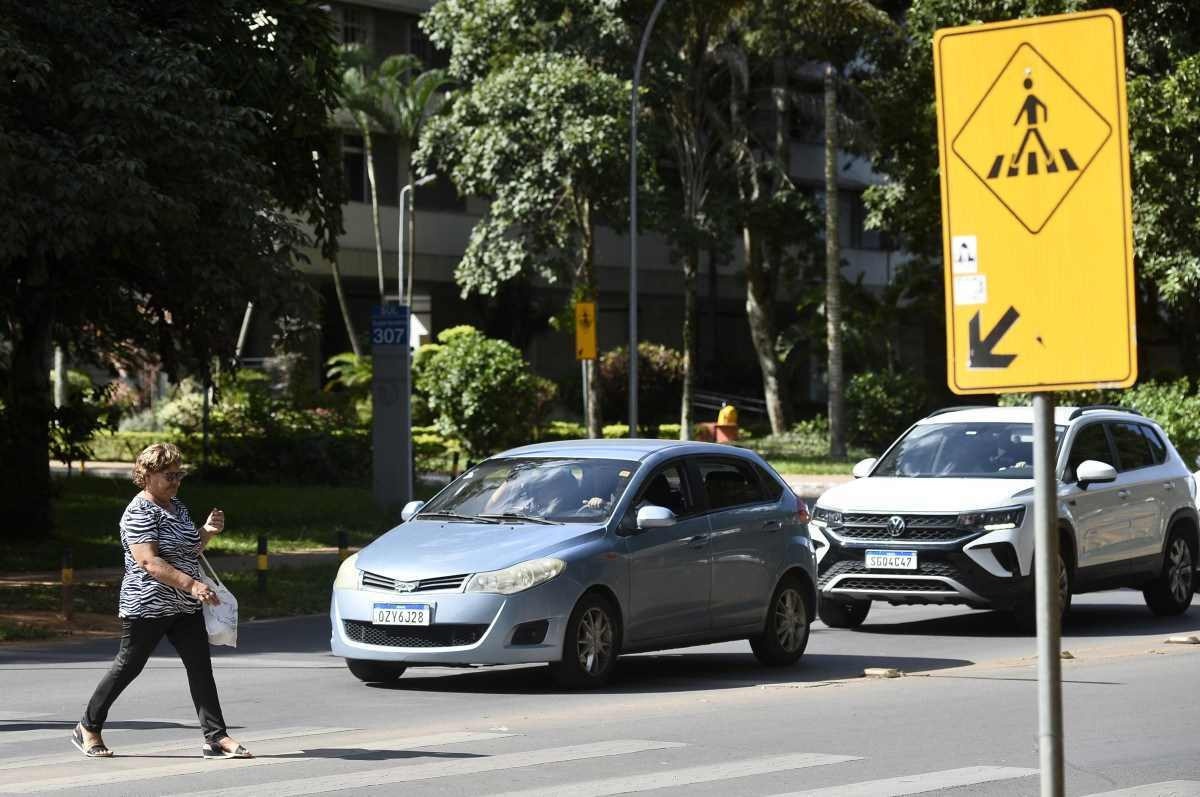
[(981, 354)]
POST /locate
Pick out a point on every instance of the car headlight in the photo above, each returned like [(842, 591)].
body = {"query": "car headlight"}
[(347, 574), (516, 578), (828, 517), (993, 520)]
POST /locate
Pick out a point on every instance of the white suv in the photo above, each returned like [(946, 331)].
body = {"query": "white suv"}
[(945, 515)]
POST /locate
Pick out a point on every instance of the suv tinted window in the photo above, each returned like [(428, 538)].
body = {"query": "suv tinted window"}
[(728, 483), (771, 487), (1090, 443), (1132, 449), (1157, 448)]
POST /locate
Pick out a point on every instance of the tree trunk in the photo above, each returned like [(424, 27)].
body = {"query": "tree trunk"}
[(412, 240), (833, 274), (691, 266), (343, 307), (760, 312), (26, 485), (370, 153)]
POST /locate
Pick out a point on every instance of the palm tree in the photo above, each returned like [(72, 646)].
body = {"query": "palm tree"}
[(406, 99), (361, 94)]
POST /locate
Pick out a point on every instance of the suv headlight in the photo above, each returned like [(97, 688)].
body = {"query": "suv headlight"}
[(347, 574), (992, 520), (516, 578), (827, 517)]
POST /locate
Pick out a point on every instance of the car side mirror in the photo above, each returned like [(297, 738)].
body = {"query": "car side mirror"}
[(654, 517), (863, 468), (410, 509), (1092, 472)]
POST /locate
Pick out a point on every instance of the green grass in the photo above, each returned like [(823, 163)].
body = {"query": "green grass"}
[(808, 466), (87, 510), (290, 591), (21, 632)]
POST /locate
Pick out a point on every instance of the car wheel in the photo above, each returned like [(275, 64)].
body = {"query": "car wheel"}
[(1025, 612), (842, 612), (785, 634), (1171, 592), (377, 672), (590, 645)]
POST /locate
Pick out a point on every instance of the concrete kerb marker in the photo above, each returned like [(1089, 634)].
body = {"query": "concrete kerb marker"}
[(262, 563), (68, 583)]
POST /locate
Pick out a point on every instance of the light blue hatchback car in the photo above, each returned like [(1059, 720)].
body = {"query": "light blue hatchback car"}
[(574, 552)]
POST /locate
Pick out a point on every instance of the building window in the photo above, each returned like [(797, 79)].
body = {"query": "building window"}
[(354, 25), (354, 167)]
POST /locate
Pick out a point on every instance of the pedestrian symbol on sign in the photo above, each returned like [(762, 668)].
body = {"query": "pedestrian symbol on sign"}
[(1029, 110)]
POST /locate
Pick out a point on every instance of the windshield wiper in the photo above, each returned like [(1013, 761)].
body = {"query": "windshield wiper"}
[(522, 518), (457, 516)]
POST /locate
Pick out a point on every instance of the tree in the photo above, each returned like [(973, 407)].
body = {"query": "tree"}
[(156, 168), (539, 130), (362, 93)]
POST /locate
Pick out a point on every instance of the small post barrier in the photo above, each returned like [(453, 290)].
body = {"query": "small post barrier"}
[(343, 540), (68, 584), (262, 562)]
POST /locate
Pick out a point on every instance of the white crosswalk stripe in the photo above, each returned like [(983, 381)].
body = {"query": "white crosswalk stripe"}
[(440, 769), (1168, 788), (63, 731), (917, 784), (136, 771), (686, 776), (192, 743)]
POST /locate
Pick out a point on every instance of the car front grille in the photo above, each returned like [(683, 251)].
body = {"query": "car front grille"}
[(917, 528), (858, 567), (885, 584), (440, 584), (418, 636)]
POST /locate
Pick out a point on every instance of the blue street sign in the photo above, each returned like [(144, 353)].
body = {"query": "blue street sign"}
[(389, 325)]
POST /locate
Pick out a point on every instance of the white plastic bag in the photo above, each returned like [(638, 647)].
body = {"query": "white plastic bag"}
[(220, 621)]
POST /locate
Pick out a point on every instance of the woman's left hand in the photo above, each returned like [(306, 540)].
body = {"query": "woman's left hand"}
[(216, 522)]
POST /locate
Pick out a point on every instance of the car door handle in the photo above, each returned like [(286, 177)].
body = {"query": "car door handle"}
[(772, 525), (1122, 493), (698, 541)]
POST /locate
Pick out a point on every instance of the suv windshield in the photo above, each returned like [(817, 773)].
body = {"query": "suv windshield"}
[(964, 450), (563, 490)]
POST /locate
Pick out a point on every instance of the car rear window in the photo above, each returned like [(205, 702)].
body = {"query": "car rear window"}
[(728, 483), (1133, 450), (1157, 448)]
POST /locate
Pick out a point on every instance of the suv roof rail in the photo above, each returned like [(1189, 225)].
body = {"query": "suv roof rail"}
[(959, 408), (1114, 407)]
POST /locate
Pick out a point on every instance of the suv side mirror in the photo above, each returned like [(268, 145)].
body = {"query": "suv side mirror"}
[(863, 468), (1092, 472), (653, 517), (410, 509)]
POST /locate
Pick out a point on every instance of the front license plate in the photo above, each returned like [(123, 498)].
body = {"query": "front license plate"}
[(401, 614), (892, 560)]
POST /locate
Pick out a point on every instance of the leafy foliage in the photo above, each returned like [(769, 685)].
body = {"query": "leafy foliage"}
[(660, 375), (882, 404)]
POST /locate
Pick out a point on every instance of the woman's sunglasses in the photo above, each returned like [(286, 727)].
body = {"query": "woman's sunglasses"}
[(173, 475)]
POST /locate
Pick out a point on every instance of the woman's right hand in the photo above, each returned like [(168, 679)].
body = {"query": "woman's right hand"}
[(201, 592)]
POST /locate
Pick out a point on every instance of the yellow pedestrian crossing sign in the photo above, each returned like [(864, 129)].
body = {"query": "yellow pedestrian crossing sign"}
[(585, 330), (1036, 220)]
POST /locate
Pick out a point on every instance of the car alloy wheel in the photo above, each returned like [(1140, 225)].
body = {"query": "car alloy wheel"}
[(785, 631), (1171, 593), (791, 620), (595, 641), (1179, 570)]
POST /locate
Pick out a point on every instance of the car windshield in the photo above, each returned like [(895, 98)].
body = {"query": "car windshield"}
[(964, 450), (560, 489)]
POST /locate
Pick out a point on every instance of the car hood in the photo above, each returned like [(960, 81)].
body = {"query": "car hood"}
[(888, 494), (428, 549)]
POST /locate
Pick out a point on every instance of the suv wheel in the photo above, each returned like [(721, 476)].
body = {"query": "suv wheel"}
[(378, 672), (785, 634), (1025, 612), (842, 612), (590, 644), (1171, 592)]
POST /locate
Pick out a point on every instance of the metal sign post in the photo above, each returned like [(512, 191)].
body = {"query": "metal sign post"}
[(1038, 243), (391, 422)]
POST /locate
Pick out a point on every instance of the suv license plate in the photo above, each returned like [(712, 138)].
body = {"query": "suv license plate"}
[(892, 560), (401, 614)]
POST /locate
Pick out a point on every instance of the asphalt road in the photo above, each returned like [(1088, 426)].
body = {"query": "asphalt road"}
[(697, 722)]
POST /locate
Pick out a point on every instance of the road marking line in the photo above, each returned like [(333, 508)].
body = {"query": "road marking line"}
[(440, 769), (13, 716), (171, 745), (63, 731), (917, 784), (138, 772), (686, 776), (1168, 788)]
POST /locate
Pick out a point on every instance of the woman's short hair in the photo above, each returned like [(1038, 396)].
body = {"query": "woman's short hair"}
[(154, 458)]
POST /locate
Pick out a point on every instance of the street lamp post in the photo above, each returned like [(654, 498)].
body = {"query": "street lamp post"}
[(633, 264), (429, 178)]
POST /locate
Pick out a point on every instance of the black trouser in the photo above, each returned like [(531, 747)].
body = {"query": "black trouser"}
[(139, 637)]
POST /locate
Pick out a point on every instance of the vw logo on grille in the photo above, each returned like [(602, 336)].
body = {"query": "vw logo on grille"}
[(895, 525), (406, 586)]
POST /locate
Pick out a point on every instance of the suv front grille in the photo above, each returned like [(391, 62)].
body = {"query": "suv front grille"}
[(917, 528), (419, 636), (858, 567), (440, 584), (895, 584)]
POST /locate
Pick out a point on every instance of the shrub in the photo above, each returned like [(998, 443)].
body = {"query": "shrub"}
[(809, 438), (660, 382), (880, 405), (481, 391)]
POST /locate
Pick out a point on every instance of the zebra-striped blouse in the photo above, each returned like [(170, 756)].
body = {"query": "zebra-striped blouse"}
[(178, 543)]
